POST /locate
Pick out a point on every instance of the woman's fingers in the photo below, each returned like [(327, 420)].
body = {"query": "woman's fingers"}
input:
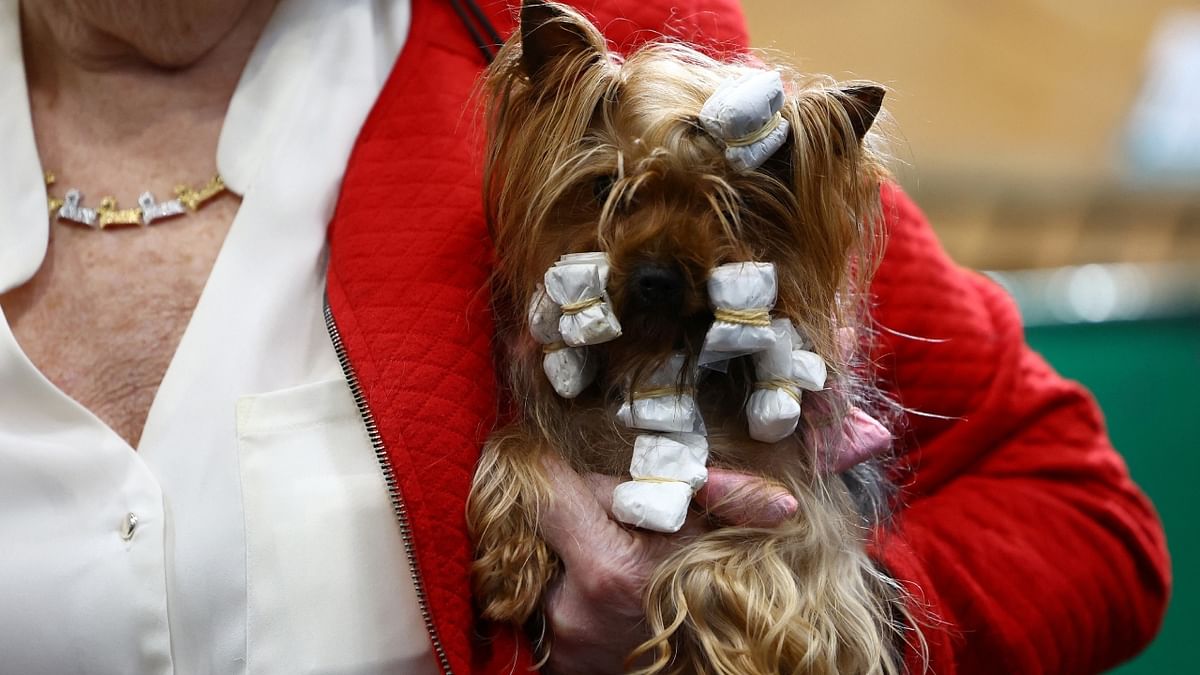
[(577, 523), (602, 489), (742, 499)]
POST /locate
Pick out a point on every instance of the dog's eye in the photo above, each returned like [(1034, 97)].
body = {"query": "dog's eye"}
[(601, 187)]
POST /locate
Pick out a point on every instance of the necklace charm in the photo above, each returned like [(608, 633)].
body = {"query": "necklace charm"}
[(194, 199), (152, 211), (71, 209), (109, 214)]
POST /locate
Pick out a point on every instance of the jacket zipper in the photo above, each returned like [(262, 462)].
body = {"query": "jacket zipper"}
[(389, 477)]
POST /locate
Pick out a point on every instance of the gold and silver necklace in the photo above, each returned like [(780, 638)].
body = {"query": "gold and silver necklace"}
[(70, 208)]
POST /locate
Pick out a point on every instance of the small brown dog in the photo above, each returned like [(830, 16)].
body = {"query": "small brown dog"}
[(591, 152)]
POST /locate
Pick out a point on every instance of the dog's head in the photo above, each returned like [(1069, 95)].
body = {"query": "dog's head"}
[(589, 151)]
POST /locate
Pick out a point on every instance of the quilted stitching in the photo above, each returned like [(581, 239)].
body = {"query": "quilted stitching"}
[(1021, 528)]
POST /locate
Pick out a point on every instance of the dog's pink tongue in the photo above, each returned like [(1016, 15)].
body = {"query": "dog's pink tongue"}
[(743, 499)]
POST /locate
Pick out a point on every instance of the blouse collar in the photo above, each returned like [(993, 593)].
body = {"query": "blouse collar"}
[(24, 225), (280, 76)]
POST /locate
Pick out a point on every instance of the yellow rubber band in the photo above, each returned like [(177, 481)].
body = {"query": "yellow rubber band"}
[(789, 387), (748, 317), (756, 136), (655, 392), (553, 347), (658, 479), (577, 307)]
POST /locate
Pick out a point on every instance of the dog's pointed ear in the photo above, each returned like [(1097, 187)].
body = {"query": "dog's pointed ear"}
[(551, 32), (862, 103)]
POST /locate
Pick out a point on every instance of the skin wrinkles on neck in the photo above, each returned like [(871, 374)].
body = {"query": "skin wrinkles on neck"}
[(137, 87)]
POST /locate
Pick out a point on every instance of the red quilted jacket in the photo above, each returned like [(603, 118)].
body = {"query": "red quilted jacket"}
[(1022, 536)]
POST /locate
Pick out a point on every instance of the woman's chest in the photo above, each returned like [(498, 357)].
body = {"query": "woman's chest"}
[(103, 315)]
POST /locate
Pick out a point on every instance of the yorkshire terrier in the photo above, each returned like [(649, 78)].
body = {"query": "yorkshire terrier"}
[(622, 194)]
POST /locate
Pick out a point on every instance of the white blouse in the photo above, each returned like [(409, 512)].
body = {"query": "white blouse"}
[(251, 531)]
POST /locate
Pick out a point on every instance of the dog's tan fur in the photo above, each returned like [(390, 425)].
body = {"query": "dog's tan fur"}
[(566, 118)]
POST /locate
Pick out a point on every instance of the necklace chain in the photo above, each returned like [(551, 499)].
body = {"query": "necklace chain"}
[(70, 207)]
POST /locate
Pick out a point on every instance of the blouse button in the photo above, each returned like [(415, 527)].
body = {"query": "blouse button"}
[(128, 526)]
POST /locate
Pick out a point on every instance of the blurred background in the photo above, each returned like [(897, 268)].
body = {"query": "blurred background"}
[(1055, 145)]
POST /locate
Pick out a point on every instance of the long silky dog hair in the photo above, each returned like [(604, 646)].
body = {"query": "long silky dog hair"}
[(589, 151)]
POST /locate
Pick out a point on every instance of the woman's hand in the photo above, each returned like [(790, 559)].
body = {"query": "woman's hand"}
[(594, 611)]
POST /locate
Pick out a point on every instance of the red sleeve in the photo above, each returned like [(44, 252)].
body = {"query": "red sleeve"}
[(1025, 544)]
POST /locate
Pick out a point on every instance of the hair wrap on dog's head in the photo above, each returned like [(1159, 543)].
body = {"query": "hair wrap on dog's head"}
[(744, 114)]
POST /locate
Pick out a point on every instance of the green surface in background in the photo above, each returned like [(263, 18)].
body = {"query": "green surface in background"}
[(1146, 376)]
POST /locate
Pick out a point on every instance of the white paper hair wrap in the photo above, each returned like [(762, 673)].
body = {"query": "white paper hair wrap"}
[(577, 284), (658, 405), (742, 296), (666, 471), (598, 258), (569, 369), (744, 114), (782, 371)]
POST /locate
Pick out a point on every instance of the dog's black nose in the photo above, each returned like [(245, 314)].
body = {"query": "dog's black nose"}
[(656, 286)]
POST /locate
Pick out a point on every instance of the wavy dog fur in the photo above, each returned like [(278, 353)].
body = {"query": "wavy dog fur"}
[(588, 151)]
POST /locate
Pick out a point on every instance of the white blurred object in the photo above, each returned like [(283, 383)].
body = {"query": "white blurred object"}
[(1103, 292), (1164, 128)]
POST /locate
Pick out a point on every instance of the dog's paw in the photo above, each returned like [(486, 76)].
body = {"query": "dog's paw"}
[(511, 575)]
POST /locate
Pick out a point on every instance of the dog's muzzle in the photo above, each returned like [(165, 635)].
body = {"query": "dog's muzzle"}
[(656, 287)]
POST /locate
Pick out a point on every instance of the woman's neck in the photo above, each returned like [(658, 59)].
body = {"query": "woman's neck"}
[(134, 83)]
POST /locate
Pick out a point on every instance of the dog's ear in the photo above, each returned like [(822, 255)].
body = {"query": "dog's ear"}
[(862, 103), (550, 33)]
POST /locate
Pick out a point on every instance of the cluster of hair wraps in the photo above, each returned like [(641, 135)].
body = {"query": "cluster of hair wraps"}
[(571, 311)]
